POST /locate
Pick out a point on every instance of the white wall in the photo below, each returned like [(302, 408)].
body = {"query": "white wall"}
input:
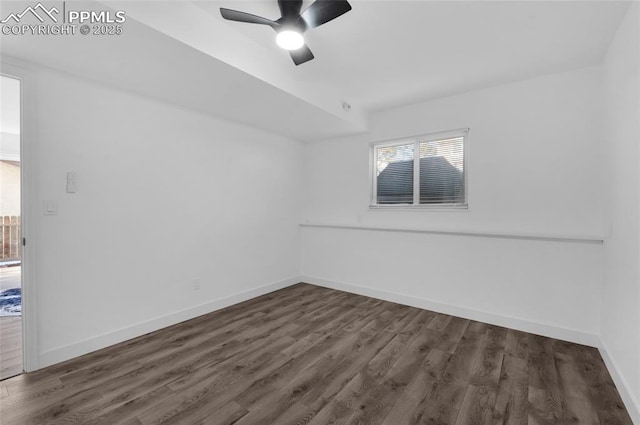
[(164, 196), (534, 161), (621, 294), (542, 287), (535, 167)]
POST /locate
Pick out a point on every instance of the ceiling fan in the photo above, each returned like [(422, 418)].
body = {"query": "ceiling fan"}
[(293, 24)]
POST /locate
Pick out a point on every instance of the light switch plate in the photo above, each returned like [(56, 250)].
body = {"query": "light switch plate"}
[(72, 182), (50, 207)]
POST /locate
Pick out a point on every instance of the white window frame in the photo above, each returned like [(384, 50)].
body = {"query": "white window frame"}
[(416, 140)]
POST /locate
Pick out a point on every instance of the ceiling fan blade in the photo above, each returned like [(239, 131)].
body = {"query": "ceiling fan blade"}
[(323, 11), (236, 15), (301, 55), (290, 8)]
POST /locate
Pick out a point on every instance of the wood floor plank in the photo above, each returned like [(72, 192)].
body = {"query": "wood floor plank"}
[(513, 389), (451, 334), (10, 346), (439, 322), (516, 344), (101, 413), (378, 401), (4, 393), (327, 375), (307, 355), (602, 395), (545, 401), (290, 373), (480, 397), (25, 394), (215, 386), (409, 409), (445, 400), (72, 402), (410, 338), (574, 391), (297, 414), (354, 353)]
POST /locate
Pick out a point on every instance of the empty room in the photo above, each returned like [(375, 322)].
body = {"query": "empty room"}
[(320, 212)]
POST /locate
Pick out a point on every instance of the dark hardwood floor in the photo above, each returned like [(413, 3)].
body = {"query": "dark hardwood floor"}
[(10, 346), (310, 355)]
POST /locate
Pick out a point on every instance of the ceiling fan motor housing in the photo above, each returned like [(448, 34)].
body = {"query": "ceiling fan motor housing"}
[(320, 12)]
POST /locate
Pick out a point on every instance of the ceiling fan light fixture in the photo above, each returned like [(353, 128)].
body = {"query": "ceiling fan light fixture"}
[(292, 23), (290, 40)]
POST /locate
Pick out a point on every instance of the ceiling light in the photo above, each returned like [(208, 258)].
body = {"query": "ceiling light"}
[(289, 40)]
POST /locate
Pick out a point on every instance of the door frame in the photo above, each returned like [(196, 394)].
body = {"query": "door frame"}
[(28, 121)]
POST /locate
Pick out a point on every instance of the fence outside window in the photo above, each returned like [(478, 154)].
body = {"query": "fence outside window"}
[(10, 234)]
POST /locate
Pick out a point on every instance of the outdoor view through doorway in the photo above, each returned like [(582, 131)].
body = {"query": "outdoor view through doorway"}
[(10, 234)]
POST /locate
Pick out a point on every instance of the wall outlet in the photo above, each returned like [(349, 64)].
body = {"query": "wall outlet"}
[(195, 284)]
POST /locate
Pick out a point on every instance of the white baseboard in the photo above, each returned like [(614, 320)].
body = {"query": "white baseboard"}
[(551, 331), (70, 351), (630, 402)]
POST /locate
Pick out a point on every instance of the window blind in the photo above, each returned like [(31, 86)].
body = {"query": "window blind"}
[(442, 171), (395, 167)]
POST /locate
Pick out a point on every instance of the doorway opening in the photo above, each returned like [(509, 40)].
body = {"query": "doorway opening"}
[(11, 357)]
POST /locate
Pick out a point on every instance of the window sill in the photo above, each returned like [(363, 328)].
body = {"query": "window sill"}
[(406, 207)]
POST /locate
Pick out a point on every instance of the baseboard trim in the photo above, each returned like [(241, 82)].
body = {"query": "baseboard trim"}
[(630, 402), (80, 348), (565, 334)]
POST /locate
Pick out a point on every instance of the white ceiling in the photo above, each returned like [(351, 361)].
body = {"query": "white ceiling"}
[(379, 55), (453, 47), (387, 53), (150, 63)]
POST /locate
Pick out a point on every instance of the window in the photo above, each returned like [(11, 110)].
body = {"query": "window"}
[(425, 171)]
